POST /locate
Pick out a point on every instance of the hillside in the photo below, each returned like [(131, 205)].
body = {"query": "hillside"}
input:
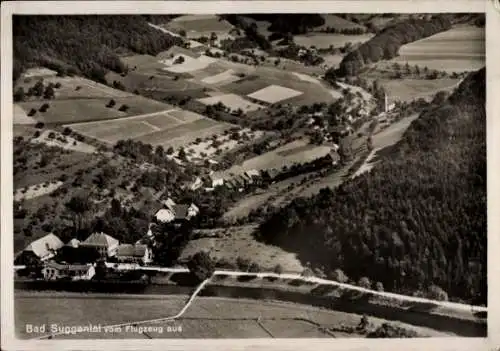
[(417, 222), (386, 44), (83, 44)]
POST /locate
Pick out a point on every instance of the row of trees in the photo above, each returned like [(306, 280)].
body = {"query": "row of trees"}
[(84, 44), (386, 44), (418, 219)]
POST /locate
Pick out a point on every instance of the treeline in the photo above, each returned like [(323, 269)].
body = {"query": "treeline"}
[(418, 220), (385, 45), (83, 44)]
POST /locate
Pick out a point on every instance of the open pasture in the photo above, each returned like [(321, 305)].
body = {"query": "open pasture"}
[(72, 111), (334, 21), (152, 81), (188, 65), (201, 23), (75, 88), (232, 101), (324, 40), (20, 116), (143, 63), (456, 50), (82, 109)]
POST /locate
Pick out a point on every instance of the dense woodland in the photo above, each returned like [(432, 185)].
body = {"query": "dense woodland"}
[(385, 45), (83, 44), (417, 220)]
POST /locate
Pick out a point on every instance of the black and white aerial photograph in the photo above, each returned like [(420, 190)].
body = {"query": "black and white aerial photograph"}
[(249, 176)]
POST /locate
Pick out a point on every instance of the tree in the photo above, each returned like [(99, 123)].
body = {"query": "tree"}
[(38, 88), (78, 206), (49, 93), (44, 108), (180, 59), (19, 95), (159, 151), (379, 286), (339, 276), (116, 208), (213, 37), (278, 269), (111, 103), (182, 154), (364, 282), (201, 266), (182, 33), (436, 293), (32, 112), (123, 108)]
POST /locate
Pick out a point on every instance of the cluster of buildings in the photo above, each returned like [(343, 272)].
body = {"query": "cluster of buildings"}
[(77, 260)]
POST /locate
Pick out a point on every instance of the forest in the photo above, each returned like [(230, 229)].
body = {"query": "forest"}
[(385, 45), (83, 44), (418, 220)]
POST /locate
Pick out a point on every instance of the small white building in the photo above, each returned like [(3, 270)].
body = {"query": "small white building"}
[(55, 271), (198, 183)]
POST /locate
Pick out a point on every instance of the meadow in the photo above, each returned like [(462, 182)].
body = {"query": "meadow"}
[(412, 89), (324, 40), (299, 151), (234, 242), (456, 50)]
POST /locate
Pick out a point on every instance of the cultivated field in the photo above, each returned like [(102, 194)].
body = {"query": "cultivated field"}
[(275, 93), (235, 242), (456, 50), (80, 309), (207, 317), (171, 127), (225, 77), (324, 40), (232, 101)]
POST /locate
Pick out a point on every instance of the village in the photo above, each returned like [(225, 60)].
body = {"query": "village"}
[(49, 258)]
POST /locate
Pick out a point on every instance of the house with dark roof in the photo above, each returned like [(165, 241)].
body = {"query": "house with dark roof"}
[(138, 253), (55, 271), (172, 212), (105, 244)]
